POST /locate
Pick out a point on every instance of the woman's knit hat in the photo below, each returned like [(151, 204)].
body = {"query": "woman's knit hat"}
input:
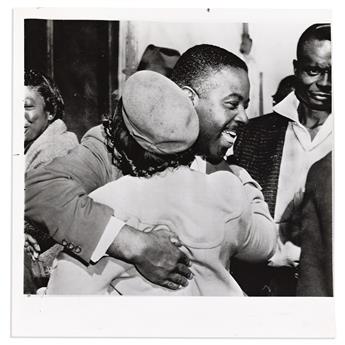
[(158, 114)]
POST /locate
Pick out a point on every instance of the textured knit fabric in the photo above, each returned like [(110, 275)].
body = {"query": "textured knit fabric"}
[(215, 216), (258, 149)]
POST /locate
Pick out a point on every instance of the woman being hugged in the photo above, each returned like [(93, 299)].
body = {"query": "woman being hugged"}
[(151, 138)]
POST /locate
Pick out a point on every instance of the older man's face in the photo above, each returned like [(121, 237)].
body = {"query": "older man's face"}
[(313, 72), (221, 108)]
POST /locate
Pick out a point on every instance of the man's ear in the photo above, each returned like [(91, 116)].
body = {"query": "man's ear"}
[(295, 66), (192, 95)]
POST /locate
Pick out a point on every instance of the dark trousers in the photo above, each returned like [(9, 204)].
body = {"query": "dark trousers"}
[(263, 280)]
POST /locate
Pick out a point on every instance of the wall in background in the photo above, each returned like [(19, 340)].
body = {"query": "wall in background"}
[(273, 50), (87, 57)]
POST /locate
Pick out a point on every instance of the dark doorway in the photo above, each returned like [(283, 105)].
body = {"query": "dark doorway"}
[(82, 57)]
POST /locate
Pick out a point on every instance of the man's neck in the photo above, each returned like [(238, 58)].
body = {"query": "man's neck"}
[(312, 119)]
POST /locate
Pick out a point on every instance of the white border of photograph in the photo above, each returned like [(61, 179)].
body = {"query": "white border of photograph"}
[(37, 316)]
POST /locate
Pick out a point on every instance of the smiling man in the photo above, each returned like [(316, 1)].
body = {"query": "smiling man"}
[(278, 149), (217, 83)]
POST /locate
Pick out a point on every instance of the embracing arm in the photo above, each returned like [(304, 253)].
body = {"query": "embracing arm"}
[(57, 200), (258, 237)]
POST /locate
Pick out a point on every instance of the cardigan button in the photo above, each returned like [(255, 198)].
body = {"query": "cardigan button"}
[(77, 250), (70, 246)]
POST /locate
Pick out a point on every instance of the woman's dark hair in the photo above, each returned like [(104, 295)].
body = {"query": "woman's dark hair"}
[(48, 90), (130, 157)]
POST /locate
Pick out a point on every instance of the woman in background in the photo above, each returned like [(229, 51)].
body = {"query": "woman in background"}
[(45, 138)]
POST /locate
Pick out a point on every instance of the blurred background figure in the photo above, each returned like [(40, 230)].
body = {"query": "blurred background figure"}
[(255, 107), (158, 59), (285, 86), (45, 138), (315, 271)]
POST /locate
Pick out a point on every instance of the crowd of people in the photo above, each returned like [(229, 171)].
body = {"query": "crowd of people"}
[(148, 203)]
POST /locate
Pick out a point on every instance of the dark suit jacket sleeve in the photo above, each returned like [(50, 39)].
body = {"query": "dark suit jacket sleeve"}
[(56, 197), (316, 225)]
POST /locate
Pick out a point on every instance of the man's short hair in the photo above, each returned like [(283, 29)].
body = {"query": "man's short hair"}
[(195, 64), (319, 32)]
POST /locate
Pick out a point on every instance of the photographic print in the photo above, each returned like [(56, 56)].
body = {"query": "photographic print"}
[(173, 160)]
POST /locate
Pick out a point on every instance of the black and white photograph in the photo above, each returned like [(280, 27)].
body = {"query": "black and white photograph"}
[(173, 159)]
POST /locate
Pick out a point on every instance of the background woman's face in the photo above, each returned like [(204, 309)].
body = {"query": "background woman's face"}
[(36, 118)]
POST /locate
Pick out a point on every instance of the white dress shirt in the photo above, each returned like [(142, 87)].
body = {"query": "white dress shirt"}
[(300, 152)]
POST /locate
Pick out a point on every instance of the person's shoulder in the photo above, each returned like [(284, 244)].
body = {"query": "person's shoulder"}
[(228, 190), (66, 139), (228, 181), (72, 138), (95, 140), (62, 144), (95, 134), (269, 120)]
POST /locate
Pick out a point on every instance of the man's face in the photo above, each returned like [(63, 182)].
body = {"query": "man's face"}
[(313, 73), (221, 108)]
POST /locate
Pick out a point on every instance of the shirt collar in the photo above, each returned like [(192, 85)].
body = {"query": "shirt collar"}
[(199, 164), (288, 107)]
